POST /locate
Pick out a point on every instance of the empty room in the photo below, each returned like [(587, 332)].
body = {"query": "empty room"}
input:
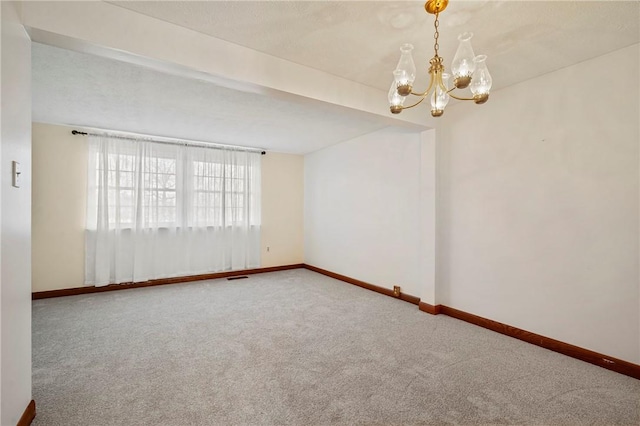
[(320, 213)]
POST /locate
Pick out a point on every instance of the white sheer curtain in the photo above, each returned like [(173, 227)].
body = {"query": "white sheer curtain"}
[(159, 210)]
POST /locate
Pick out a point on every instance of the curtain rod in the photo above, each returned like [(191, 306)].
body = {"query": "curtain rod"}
[(183, 143)]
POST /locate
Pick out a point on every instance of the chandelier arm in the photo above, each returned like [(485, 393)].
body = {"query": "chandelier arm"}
[(458, 98), (426, 92), (417, 103)]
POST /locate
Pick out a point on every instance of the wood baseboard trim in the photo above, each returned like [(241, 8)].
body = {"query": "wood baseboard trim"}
[(387, 292), (28, 415), (161, 281), (430, 309), (601, 360)]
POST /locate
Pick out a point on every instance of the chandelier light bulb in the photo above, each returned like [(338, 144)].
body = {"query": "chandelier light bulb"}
[(463, 65), (481, 81), (405, 73), (440, 97), (395, 100)]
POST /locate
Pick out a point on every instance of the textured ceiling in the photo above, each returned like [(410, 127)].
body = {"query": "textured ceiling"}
[(359, 40), (82, 89)]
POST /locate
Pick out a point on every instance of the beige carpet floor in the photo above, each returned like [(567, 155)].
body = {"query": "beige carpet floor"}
[(298, 348)]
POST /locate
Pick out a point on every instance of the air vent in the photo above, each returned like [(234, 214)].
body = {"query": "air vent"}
[(237, 278)]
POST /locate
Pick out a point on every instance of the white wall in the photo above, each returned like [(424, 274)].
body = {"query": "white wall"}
[(427, 220), (282, 237), (60, 197), (15, 284), (538, 208), (362, 209)]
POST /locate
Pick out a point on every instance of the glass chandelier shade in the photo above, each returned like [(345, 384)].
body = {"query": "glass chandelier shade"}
[(440, 97), (463, 64), (405, 72), (481, 80), (468, 70), (396, 101)]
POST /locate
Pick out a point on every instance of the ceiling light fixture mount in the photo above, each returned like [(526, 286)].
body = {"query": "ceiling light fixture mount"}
[(435, 6), (468, 71)]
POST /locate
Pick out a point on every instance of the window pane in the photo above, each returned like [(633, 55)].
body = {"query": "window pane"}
[(166, 215), (112, 178), (170, 182), (126, 214), (125, 197), (126, 179), (170, 199)]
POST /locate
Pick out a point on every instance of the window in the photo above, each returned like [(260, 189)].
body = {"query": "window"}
[(158, 188), (186, 205), (220, 185), (211, 192)]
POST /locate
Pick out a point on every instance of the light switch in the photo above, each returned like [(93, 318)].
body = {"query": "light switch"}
[(17, 171)]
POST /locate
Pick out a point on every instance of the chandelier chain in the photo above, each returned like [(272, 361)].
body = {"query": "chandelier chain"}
[(436, 24)]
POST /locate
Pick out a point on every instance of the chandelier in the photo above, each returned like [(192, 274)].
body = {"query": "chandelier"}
[(468, 71)]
